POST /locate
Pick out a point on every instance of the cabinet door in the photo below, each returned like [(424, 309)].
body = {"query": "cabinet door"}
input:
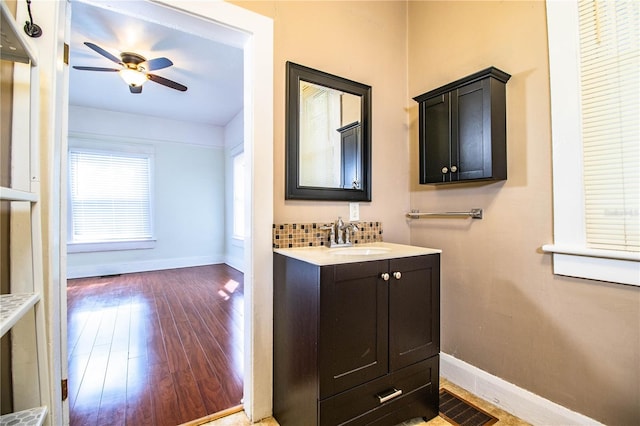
[(353, 325), (351, 158), (471, 118), (435, 140), (414, 310)]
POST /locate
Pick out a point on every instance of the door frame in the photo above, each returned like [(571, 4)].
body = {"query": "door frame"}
[(258, 145)]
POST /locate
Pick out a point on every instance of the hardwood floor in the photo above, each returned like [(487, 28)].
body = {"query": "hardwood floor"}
[(155, 348)]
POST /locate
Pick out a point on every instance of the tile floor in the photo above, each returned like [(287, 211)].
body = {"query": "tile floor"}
[(504, 418)]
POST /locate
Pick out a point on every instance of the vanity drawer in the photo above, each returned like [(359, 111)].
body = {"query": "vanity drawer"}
[(362, 405)]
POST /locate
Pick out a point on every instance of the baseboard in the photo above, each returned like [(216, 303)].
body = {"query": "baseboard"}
[(509, 397), (84, 271), (234, 262), (214, 416)]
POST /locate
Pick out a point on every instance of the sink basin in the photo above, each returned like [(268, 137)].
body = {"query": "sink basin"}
[(359, 251)]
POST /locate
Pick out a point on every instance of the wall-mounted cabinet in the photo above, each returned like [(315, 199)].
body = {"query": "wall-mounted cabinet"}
[(462, 129), (351, 151)]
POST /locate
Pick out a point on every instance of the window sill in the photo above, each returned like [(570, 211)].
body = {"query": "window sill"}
[(110, 246), (602, 265)]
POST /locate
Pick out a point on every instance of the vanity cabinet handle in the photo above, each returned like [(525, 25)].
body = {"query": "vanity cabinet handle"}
[(389, 395), (454, 169), (384, 276), (397, 275), (445, 170)]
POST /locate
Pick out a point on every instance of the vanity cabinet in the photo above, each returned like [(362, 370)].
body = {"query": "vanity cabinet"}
[(356, 343), (462, 129)]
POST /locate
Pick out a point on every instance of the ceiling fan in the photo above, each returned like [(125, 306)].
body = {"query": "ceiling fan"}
[(134, 69)]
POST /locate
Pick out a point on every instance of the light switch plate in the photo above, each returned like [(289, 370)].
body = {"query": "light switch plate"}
[(354, 211)]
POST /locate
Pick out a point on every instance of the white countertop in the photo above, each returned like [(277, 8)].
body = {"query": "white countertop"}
[(321, 255)]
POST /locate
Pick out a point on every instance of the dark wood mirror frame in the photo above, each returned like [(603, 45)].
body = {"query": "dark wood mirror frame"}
[(295, 191)]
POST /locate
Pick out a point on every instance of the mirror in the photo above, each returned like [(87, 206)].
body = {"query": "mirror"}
[(328, 140)]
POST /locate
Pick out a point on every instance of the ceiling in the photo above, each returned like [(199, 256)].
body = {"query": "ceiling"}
[(207, 58)]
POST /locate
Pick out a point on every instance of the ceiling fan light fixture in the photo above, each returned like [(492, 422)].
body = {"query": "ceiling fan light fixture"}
[(135, 69), (133, 77)]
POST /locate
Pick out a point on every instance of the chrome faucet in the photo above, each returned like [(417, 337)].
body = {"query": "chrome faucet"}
[(342, 231), (332, 233), (339, 225), (348, 229)]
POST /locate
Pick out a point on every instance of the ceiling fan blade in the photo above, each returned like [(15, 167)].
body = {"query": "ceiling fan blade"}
[(103, 52), (156, 64), (135, 89), (167, 82), (95, 69)]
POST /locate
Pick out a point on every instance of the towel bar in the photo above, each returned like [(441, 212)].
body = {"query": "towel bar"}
[(473, 213)]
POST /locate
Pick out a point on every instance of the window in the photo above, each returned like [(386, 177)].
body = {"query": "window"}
[(320, 161), (238, 196), (594, 61), (110, 200)]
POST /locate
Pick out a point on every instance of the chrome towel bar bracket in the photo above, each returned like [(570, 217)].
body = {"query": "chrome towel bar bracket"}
[(473, 213)]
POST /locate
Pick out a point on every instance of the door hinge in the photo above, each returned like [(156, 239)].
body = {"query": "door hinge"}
[(65, 389), (65, 57)]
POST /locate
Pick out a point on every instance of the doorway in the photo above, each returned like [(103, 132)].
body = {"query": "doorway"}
[(168, 189), (257, 44)]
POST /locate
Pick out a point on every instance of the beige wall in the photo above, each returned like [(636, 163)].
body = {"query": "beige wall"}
[(575, 342), (365, 43)]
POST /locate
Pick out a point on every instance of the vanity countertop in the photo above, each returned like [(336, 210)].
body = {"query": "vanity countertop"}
[(321, 255)]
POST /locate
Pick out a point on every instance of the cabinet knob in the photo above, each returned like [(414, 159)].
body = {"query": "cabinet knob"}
[(397, 275), (445, 170), (454, 169), (384, 276)]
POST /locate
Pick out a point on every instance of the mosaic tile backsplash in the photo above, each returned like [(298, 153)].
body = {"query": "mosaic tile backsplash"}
[(291, 235)]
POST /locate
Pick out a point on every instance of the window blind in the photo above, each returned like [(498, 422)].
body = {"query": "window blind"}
[(610, 93), (110, 196)]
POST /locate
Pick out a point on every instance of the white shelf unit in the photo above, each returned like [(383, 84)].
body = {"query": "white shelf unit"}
[(15, 306), (26, 306), (9, 194)]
